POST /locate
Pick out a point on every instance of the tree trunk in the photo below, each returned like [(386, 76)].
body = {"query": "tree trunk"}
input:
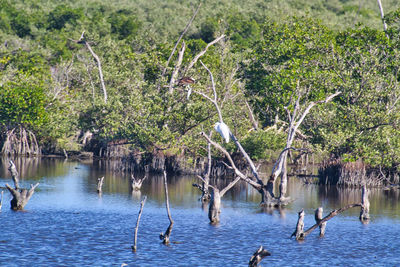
[(364, 214), (318, 218), (165, 237), (100, 185), (20, 196), (214, 209), (299, 232)]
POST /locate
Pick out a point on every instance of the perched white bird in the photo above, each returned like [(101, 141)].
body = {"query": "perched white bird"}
[(223, 130), (189, 92)]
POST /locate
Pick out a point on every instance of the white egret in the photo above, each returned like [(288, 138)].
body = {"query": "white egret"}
[(223, 130), (189, 92)]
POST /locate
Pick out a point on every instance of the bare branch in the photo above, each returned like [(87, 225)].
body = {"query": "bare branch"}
[(382, 16), (82, 40), (229, 186), (166, 235), (237, 171), (180, 38), (214, 91), (177, 68), (196, 58), (258, 256), (134, 247)]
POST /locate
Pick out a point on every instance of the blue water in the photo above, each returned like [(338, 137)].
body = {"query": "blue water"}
[(66, 223)]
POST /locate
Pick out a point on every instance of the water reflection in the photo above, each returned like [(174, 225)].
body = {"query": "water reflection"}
[(68, 223)]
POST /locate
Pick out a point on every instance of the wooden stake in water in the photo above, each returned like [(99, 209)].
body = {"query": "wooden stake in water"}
[(134, 247)]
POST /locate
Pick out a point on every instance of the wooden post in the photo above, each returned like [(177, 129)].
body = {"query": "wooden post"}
[(165, 237), (20, 196), (364, 213), (100, 185), (134, 247), (318, 218), (258, 256)]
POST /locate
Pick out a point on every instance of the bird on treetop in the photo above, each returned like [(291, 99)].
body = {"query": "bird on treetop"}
[(223, 130)]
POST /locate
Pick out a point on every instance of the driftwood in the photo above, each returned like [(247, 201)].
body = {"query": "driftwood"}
[(100, 184), (20, 196), (258, 256), (165, 237), (134, 247), (301, 235)]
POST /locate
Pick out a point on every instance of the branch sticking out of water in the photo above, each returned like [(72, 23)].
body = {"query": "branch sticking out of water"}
[(258, 256), (165, 237), (134, 247)]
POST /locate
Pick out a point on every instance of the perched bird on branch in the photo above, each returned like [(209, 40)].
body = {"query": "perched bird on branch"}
[(186, 81), (223, 130)]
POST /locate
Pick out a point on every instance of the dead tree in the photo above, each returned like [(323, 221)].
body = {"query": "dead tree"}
[(257, 257), (100, 185), (134, 247), (82, 40), (296, 118), (20, 196), (165, 237), (318, 218), (206, 196), (364, 213), (176, 45), (254, 180), (136, 184), (214, 208), (301, 235)]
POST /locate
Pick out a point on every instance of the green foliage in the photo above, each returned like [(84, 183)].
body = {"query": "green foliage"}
[(291, 56), (124, 24), (260, 144), (22, 102), (61, 15), (280, 59)]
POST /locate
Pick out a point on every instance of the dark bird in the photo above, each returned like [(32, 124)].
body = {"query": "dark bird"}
[(185, 81)]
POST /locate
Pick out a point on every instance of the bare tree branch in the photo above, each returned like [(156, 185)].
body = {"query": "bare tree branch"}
[(179, 39), (196, 58), (134, 247)]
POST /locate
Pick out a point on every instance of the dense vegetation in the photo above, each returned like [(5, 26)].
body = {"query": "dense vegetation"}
[(50, 84)]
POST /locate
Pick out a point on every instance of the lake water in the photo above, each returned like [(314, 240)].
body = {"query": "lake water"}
[(66, 223)]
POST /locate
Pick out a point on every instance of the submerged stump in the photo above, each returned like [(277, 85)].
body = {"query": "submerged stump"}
[(21, 196)]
